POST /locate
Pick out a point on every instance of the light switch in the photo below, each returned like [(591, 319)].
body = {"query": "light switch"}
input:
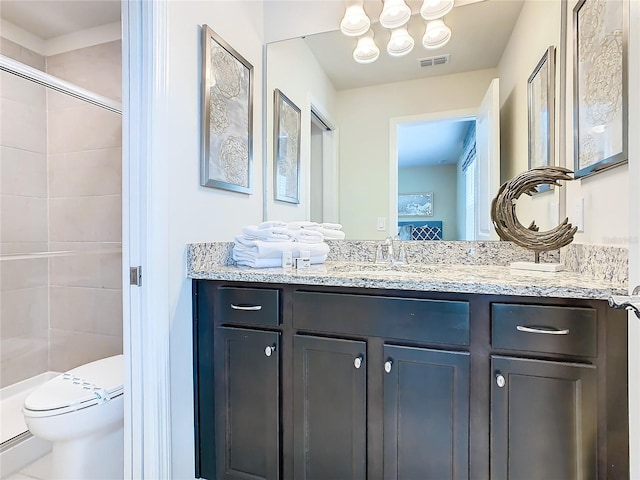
[(382, 224)]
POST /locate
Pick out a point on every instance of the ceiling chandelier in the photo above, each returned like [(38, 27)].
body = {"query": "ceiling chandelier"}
[(394, 17)]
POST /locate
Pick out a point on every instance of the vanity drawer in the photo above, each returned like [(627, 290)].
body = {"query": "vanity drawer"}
[(544, 328), (251, 306), (432, 321)]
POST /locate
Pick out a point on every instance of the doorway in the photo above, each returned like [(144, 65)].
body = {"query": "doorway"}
[(323, 186), (481, 180)]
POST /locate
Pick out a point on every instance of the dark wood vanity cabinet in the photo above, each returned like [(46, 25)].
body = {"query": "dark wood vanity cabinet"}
[(237, 384), (544, 419), (329, 408), (426, 414), (326, 383), (544, 415)]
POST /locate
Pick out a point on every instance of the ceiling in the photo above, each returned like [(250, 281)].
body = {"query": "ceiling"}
[(431, 143), (480, 32), (54, 18)]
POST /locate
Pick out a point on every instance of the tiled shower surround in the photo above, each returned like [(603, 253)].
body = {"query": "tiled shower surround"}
[(60, 231)]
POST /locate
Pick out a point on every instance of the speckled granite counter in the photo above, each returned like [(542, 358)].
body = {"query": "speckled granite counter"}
[(482, 279)]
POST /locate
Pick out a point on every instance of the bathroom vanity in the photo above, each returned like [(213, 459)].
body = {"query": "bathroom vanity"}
[(432, 372)]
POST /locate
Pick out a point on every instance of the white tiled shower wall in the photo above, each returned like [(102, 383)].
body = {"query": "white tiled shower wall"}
[(60, 191)]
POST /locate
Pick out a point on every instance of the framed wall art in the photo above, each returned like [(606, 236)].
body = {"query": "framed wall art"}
[(286, 145), (599, 85), (227, 93), (415, 204)]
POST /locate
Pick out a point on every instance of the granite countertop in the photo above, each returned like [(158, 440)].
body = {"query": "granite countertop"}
[(454, 278)]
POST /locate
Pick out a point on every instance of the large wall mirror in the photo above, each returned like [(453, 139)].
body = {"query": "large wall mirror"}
[(374, 134)]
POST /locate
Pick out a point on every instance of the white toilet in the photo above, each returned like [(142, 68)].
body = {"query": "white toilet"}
[(82, 413)]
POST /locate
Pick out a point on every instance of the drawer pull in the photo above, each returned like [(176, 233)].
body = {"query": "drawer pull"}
[(358, 361), (546, 331), (247, 308), (387, 365)]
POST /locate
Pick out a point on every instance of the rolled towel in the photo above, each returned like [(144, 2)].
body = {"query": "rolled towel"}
[(303, 224), (308, 236), (332, 226), (274, 223), (264, 249), (270, 234), (329, 234)]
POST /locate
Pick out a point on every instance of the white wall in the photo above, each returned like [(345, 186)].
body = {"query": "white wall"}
[(194, 213), (605, 194), (364, 118), (292, 68), (294, 18), (537, 28)]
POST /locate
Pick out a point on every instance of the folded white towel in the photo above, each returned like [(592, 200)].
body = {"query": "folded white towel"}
[(332, 226), (308, 236), (271, 262), (271, 249), (329, 234), (303, 224), (274, 223), (270, 234)]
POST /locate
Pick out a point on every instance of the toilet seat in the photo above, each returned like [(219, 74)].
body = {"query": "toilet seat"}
[(82, 387)]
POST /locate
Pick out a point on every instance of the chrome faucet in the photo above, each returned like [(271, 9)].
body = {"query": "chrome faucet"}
[(386, 252)]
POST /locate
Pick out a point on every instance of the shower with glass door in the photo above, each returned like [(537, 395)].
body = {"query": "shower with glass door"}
[(60, 206)]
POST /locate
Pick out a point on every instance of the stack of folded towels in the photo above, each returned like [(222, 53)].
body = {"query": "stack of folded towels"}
[(262, 246)]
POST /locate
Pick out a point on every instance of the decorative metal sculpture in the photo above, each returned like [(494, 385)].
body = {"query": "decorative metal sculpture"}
[(503, 212)]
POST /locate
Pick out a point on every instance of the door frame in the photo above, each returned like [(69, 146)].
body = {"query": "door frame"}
[(330, 154), (394, 123), (147, 417), (634, 233)]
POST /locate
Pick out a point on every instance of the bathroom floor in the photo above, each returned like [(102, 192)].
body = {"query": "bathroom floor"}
[(38, 470)]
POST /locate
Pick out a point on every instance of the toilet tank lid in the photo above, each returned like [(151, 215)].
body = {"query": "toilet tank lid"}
[(91, 382)]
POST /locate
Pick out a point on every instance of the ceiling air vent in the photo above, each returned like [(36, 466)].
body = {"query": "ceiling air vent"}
[(432, 61)]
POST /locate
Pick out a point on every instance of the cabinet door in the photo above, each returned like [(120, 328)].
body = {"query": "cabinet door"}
[(426, 414), (543, 420), (246, 404), (329, 409)]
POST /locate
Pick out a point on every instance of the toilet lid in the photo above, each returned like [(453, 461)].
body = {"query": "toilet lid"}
[(83, 386)]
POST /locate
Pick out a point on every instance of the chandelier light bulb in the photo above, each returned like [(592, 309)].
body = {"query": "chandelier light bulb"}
[(434, 9), (395, 13), (436, 35), (355, 21), (366, 50), (400, 42)]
